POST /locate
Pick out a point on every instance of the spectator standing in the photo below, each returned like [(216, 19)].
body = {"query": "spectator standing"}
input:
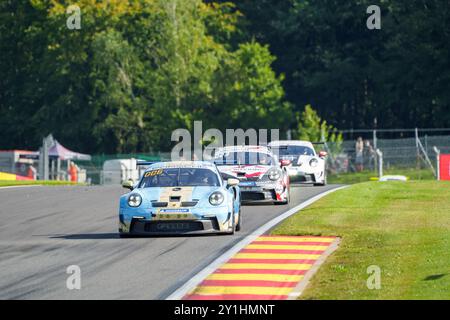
[(359, 154), (369, 154), (32, 172), (73, 172)]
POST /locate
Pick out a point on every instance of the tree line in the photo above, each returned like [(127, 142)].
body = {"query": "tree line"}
[(133, 72), (138, 69), (395, 77)]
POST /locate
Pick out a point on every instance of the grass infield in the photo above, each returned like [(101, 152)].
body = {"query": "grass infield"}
[(404, 228), (357, 177)]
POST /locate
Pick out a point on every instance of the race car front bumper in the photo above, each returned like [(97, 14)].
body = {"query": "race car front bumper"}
[(298, 175), (141, 222), (258, 196), (142, 227), (260, 193)]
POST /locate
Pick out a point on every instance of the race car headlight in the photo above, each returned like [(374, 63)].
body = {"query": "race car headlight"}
[(216, 198), (134, 200), (313, 163), (274, 175)]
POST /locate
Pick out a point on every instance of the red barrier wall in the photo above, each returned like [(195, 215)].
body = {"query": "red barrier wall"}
[(444, 166)]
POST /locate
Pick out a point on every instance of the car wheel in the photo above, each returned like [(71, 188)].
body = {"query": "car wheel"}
[(239, 224), (288, 198), (233, 225), (325, 180), (324, 183)]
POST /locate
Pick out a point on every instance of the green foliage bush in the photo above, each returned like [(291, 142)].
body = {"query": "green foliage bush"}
[(312, 128)]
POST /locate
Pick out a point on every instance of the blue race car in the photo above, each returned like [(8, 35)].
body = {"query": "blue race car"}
[(183, 197)]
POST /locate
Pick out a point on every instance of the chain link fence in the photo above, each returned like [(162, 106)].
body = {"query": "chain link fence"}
[(400, 154), (113, 169), (404, 150), (410, 150)]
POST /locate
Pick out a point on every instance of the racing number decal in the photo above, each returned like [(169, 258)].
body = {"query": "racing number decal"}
[(153, 173)]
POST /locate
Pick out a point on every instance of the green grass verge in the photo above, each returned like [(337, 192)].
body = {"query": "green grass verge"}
[(404, 228), (8, 183), (357, 177)]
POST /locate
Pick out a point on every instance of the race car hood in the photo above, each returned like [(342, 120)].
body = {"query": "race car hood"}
[(175, 196), (244, 172)]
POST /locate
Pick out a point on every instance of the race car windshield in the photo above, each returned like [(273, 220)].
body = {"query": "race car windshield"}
[(248, 158), (179, 177), (293, 151)]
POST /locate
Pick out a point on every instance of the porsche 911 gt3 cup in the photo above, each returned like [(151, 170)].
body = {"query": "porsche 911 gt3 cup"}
[(184, 197), (262, 178), (306, 166)]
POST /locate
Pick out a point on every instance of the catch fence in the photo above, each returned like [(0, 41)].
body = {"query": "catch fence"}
[(401, 149)]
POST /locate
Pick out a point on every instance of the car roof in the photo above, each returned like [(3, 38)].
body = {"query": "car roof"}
[(300, 143), (182, 164)]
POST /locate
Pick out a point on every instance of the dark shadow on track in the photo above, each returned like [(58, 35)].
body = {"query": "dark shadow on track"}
[(86, 236), (105, 236), (257, 204)]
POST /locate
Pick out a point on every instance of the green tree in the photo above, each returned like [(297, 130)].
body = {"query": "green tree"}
[(251, 95), (116, 75), (312, 128), (22, 47), (399, 74), (136, 70)]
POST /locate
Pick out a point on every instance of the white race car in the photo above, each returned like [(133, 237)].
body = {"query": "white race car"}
[(262, 177), (307, 166)]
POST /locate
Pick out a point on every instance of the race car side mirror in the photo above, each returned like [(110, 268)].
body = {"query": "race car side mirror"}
[(323, 154), (128, 185), (232, 182), (285, 162)]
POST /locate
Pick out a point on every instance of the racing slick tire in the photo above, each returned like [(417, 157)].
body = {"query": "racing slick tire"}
[(322, 184), (288, 198), (233, 225), (239, 224)]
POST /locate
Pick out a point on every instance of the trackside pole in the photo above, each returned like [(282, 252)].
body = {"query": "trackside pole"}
[(43, 160), (438, 156), (380, 163), (375, 146), (421, 149)]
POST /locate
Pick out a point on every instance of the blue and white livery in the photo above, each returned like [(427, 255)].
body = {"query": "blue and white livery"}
[(183, 197)]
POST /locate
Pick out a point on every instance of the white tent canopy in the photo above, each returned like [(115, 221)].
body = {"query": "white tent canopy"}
[(61, 152)]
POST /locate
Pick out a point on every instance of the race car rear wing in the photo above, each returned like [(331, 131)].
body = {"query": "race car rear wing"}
[(287, 146), (146, 163)]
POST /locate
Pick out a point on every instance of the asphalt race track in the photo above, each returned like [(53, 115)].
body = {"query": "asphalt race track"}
[(43, 230)]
